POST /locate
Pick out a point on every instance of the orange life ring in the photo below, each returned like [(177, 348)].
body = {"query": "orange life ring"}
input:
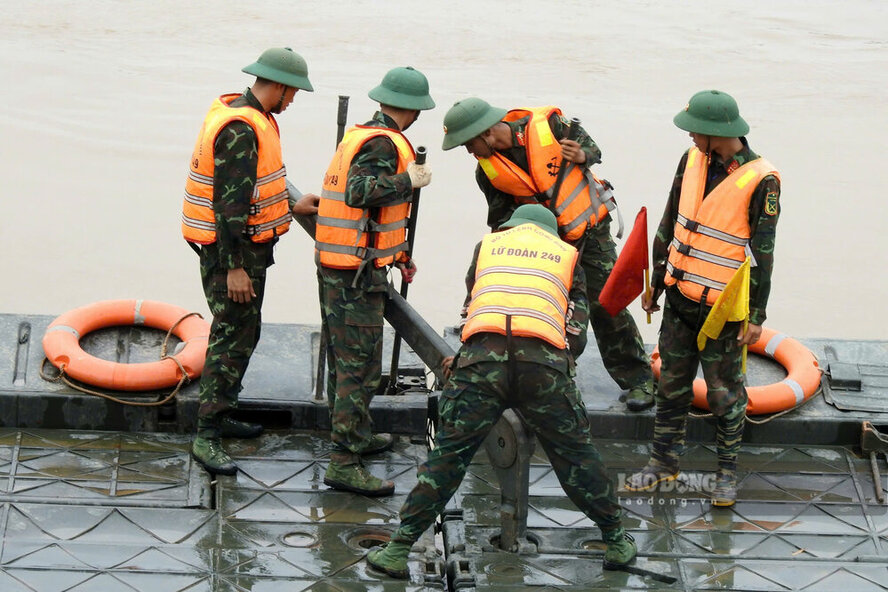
[(802, 380), (61, 344)]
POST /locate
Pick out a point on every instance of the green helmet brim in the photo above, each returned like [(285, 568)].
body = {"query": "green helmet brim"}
[(401, 100), (275, 75), (490, 118), (724, 129)]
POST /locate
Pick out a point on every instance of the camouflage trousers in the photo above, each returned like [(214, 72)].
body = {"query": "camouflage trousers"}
[(233, 337), (619, 342), (351, 319), (721, 364), (472, 402)]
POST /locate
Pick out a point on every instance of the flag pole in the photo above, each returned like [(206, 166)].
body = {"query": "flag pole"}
[(647, 289)]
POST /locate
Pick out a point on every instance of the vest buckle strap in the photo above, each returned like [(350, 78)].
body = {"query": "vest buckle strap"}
[(691, 225), (255, 209), (682, 275), (683, 248), (341, 223), (355, 251), (585, 217), (375, 226), (251, 230), (376, 253)]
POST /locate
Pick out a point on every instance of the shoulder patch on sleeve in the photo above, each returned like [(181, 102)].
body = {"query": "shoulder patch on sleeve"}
[(771, 203)]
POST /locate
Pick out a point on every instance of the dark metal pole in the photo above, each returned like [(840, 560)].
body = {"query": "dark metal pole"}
[(572, 133), (411, 238), (341, 116), (431, 348)]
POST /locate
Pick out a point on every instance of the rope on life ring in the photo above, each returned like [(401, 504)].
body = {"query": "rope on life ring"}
[(802, 379), (61, 345)]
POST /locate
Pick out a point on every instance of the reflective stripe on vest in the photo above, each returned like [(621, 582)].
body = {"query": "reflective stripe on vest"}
[(711, 235), (269, 212), (523, 273), (576, 206), (342, 235)]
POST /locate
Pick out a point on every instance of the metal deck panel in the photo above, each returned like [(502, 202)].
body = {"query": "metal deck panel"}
[(806, 520)]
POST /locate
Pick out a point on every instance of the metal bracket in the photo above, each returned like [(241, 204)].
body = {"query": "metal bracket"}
[(509, 447), (844, 376)]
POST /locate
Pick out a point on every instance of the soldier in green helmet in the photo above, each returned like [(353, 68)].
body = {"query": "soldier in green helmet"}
[(232, 217), (519, 153), (361, 233), (510, 357), (723, 207)]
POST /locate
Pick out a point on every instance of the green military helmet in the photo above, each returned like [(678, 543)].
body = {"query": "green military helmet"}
[(712, 113), (283, 65), (405, 88), (533, 214), (467, 119)]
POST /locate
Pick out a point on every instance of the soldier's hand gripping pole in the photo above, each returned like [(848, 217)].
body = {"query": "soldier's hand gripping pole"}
[(341, 116), (411, 238), (572, 132)]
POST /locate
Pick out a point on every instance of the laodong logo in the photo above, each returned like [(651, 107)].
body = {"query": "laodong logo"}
[(685, 483)]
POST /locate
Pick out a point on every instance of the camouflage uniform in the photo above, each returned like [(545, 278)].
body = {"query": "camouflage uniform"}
[(236, 326), (352, 323), (619, 342), (352, 309), (483, 384), (682, 319)]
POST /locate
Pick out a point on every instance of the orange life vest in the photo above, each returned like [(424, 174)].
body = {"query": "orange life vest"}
[(523, 274), (342, 238), (578, 205), (269, 210), (711, 236)]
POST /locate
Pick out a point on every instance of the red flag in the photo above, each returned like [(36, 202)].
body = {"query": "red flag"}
[(626, 281)]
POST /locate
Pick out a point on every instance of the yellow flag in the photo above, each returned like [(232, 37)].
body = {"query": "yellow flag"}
[(732, 305)]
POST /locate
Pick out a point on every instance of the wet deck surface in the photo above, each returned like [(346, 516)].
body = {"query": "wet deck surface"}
[(89, 511)]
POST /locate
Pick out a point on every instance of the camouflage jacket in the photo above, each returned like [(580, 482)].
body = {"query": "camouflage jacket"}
[(500, 205), (237, 157), (764, 209), (492, 347), (373, 181)]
